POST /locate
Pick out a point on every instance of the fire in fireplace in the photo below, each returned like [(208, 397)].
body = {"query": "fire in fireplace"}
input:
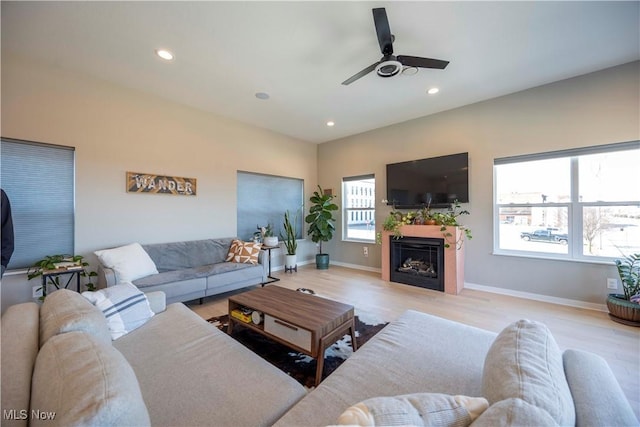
[(418, 261)]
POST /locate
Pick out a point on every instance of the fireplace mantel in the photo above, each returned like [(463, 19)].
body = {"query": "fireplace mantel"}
[(453, 258)]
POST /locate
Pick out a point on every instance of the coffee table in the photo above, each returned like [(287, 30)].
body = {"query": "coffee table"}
[(306, 323)]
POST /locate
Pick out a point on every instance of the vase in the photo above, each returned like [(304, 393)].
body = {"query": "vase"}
[(271, 241), (322, 261), (290, 262), (622, 310)]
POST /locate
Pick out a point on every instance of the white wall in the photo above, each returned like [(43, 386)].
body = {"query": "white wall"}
[(597, 108), (116, 130)]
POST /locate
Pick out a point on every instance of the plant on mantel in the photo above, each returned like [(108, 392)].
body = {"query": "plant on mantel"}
[(425, 216)]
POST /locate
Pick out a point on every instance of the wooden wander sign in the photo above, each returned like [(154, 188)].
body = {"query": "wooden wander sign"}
[(160, 184)]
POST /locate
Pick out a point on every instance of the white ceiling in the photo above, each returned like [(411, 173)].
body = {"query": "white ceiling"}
[(300, 52)]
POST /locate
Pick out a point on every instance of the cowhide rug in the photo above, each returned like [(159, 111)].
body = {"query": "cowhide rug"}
[(299, 365)]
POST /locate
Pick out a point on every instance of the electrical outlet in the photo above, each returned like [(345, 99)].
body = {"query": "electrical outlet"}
[(365, 250), (612, 283), (36, 291)]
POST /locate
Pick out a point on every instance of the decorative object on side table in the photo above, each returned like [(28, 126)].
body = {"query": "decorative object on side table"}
[(51, 267), (290, 243), (625, 308), (321, 223), (268, 238), (396, 219)]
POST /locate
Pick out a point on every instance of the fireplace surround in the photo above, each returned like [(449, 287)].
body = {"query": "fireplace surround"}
[(453, 258)]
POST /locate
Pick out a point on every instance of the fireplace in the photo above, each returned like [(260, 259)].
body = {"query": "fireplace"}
[(417, 261)]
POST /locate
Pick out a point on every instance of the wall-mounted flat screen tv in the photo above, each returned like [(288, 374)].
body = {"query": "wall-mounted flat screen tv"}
[(436, 181)]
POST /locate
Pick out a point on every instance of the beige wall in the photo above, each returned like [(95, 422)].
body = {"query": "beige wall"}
[(593, 109), (116, 130)]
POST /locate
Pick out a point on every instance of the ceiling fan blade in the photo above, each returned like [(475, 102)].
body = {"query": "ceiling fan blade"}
[(362, 73), (415, 61), (385, 39)]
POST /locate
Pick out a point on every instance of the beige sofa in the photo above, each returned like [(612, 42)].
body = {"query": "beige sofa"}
[(177, 369)]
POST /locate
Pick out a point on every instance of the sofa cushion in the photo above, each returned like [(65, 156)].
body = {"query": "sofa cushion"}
[(19, 346), (85, 382), (211, 371), (130, 262), (188, 254), (419, 409), (598, 398), (514, 412), (415, 353), (525, 362), (65, 311), (125, 307), (244, 252)]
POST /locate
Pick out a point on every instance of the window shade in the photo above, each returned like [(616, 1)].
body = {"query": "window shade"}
[(263, 199), (39, 181)]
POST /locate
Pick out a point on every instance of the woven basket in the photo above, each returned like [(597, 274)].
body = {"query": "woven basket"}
[(622, 310)]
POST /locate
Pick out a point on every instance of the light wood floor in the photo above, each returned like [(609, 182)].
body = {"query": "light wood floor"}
[(571, 327)]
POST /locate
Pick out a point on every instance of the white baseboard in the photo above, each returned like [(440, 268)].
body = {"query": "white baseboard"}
[(491, 289), (537, 297), (357, 267), (281, 267)]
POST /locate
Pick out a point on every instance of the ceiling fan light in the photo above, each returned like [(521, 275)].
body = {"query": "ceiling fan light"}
[(388, 68)]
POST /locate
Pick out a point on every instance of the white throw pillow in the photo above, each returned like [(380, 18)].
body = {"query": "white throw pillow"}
[(418, 409), (125, 307), (130, 262)]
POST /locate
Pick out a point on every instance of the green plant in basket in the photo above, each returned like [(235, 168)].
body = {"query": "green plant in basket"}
[(629, 272)]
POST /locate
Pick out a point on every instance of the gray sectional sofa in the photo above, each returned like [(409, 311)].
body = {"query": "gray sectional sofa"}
[(193, 269), (177, 369)]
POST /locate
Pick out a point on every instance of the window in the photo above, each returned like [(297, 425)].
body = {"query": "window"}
[(573, 204), (39, 181), (359, 208), (263, 199)]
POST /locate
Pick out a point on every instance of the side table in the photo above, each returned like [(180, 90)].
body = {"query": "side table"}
[(269, 276), (50, 275)]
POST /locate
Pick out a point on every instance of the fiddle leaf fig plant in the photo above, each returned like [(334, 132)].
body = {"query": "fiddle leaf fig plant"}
[(320, 217)]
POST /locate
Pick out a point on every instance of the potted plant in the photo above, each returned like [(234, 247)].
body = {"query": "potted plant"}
[(395, 220), (268, 238), (625, 308), (290, 243), (61, 264), (321, 223)]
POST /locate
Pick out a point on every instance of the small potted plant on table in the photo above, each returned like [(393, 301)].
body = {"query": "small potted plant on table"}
[(625, 308), (268, 238)]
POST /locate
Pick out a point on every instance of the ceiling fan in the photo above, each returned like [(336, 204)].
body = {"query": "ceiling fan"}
[(390, 65)]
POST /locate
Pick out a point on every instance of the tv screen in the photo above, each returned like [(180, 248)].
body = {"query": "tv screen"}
[(436, 181)]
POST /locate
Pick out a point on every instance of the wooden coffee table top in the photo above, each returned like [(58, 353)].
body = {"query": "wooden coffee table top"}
[(313, 313)]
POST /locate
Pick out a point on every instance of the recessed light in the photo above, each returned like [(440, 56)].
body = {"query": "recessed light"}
[(433, 91), (164, 54), (330, 123), (262, 95)]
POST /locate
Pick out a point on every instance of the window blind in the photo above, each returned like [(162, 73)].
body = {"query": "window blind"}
[(263, 199), (39, 181)]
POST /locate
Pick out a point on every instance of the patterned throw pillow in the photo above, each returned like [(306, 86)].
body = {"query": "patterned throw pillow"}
[(244, 252)]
